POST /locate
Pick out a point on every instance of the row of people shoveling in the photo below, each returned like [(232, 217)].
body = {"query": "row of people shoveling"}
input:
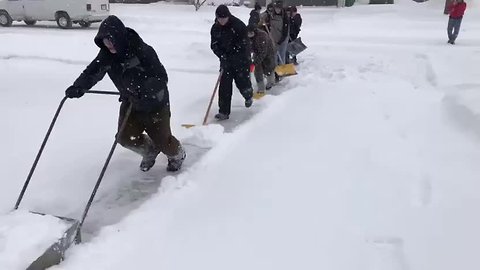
[(141, 79), (262, 44)]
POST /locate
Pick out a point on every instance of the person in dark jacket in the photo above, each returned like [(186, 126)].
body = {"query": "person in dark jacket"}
[(279, 27), (230, 44), (141, 79), (255, 15), (295, 25), (263, 57), (456, 10)]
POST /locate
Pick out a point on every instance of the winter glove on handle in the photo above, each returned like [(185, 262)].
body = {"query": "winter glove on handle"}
[(74, 92)]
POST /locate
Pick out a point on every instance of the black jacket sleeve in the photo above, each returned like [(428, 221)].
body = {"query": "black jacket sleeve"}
[(94, 72), (298, 21), (152, 65), (215, 42)]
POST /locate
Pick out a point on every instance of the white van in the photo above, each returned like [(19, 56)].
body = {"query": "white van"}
[(64, 12)]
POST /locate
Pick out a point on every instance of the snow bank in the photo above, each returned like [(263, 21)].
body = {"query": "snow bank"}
[(25, 236)]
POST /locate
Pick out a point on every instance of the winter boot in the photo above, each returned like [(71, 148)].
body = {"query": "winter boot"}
[(248, 102), (149, 154), (175, 162), (221, 116), (294, 60), (147, 150), (270, 81), (148, 161), (277, 78)]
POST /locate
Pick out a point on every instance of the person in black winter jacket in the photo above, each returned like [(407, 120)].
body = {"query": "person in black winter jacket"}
[(295, 24), (229, 42), (255, 15), (141, 79)]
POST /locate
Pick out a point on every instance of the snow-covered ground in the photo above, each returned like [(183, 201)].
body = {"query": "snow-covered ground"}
[(368, 159), (25, 236)]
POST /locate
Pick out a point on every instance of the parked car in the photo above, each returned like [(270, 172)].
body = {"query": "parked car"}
[(64, 12)]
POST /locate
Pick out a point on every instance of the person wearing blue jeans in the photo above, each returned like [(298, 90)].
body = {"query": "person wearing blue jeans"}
[(457, 9)]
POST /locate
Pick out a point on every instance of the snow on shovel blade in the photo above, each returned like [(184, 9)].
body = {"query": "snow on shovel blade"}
[(285, 70), (55, 253)]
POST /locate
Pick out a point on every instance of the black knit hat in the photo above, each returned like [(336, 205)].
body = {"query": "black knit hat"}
[(222, 12), (251, 28)]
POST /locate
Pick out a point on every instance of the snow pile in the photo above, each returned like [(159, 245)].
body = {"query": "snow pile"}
[(470, 99), (25, 236), (202, 136)]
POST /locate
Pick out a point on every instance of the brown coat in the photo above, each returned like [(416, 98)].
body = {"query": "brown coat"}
[(263, 51)]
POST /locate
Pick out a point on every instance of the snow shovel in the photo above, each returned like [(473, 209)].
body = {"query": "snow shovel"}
[(209, 104), (55, 253), (295, 47), (284, 70), (256, 95)]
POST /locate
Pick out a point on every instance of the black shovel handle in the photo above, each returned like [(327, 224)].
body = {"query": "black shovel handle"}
[(102, 173), (37, 158), (47, 136), (103, 92)]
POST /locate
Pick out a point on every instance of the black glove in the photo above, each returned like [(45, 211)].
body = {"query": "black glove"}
[(74, 92)]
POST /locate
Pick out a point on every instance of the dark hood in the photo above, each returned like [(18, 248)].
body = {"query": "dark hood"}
[(113, 29)]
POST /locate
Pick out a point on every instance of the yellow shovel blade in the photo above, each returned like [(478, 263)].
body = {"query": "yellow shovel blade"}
[(285, 70), (258, 96), (187, 125)]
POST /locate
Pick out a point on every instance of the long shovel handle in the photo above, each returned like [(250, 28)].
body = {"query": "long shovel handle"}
[(103, 92), (44, 143), (213, 96), (102, 173), (37, 158)]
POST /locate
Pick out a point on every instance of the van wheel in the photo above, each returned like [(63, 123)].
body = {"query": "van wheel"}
[(5, 19), (33, 22), (63, 20), (85, 24)]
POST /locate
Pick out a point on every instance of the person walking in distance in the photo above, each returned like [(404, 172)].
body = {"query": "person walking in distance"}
[(456, 10)]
